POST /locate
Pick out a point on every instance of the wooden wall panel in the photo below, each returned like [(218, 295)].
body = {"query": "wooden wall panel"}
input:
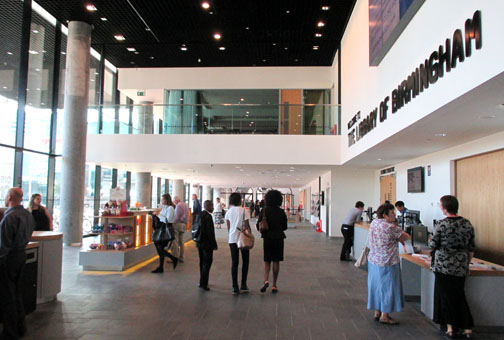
[(480, 191), (291, 119), (388, 189)]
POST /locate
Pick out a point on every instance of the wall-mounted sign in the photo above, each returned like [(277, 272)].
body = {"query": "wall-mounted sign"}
[(444, 59), (140, 93)]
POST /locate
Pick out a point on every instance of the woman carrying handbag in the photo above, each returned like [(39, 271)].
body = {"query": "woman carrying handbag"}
[(163, 233), (237, 221)]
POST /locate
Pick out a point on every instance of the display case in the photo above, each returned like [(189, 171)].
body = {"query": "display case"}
[(121, 242)]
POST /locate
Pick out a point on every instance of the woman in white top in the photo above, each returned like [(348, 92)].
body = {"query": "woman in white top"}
[(217, 214), (166, 215), (236, 216)]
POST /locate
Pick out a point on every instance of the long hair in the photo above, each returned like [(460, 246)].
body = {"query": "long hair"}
[(168, 199), (31, 204)]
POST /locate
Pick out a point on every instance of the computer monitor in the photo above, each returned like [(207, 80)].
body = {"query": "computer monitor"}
[(412, 217), (420, 235)]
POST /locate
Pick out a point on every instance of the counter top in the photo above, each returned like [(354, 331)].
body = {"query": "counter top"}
[(478, 267), (46, 235), (363, 225), (32, 245)]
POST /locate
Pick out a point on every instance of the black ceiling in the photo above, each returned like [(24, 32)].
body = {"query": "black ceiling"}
[(273, 38)]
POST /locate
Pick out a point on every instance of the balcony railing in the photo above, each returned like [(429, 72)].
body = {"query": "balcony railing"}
[(284, 119)]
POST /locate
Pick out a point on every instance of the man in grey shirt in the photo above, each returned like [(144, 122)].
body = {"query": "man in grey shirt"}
[(347, 229), (16, 229)]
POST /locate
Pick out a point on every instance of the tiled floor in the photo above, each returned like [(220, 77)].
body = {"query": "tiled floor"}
[(319, 298)]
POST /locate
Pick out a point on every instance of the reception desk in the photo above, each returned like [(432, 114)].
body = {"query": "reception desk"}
[(361, 231), (50, 261)]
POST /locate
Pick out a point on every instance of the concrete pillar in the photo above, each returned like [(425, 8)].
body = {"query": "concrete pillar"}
[(145, 118), (75, 131), (207, 193), (143, 188), (178, 188), (173, 112)]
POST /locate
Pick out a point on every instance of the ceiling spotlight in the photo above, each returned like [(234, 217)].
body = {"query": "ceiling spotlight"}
[(217, 36), (325, 8), (136, 52), (199, 60), (287, 11), (205, 5), (35, 31), (63, 53), (32, 52), (222, 48), (440, 135), (131, 49), (379, 159), (183, 48), (103, 19), (318, 35), (242, 99), (264, 60), (315, 48), (296, 60), (9, 53), (181, 99), (247, 28), (91, 8), (320, 24), (147, 29), (119, 37), (131, 62), (151, 58)]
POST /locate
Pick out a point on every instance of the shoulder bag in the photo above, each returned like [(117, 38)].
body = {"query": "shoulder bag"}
[(362, 260), (264, 226), (245, 237)]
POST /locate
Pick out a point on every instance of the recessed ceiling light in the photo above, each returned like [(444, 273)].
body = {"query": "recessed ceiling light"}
[(38, 88), (379, 159), (325, 8), (9, 53), (296, 60), (131, 49), (136, 52), (286, 48), (131, 62), (274, 44), (151, 58), (147, 29), (199, 60), (205, 5), (320, 24), (247, 28), (487, 117), (210, 12), (291, 170), (318, 35), (264, 60), (103, 19), (5, 87), (287, 11), (33, 52), (315, 47), (63, 53), (242, 99), (440, 135), (35, 31), (183, 48), (238, 167), (91, 8), (217, 36), (119, 37), (222, 48)]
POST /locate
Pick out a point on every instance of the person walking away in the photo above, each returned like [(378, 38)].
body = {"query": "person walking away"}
[(166, 215), (179, 225), (236, 216), (454, 244), (384, 270), (217, 214), (16, 228), (273, 237), (347, 229), (43, 220), (206, 244)]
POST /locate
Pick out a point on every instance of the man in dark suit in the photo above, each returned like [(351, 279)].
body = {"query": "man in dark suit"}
[(16, 228), (206, 243)]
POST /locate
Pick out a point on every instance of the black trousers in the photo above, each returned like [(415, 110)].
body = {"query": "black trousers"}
[(160, 248), (235, 260), (11, 298), (348, 234), (205, 263)]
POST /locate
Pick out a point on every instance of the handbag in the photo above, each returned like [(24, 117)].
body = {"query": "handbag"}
[(362, 260), (245, 237), (263, 225), (162, 234)]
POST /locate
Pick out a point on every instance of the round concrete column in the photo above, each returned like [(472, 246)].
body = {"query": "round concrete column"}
[(73, 157), (143, 189), (178, 188), (207, 193), (145, 118)]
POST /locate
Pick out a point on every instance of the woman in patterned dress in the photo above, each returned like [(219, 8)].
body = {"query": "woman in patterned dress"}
[(453, 244), (384, 271), (217, 214)]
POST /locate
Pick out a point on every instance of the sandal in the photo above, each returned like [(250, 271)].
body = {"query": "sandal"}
[(265, 286), (274, 290), (377, 316), (389, 321)]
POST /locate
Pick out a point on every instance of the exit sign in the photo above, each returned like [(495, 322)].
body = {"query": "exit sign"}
[(140, 93)]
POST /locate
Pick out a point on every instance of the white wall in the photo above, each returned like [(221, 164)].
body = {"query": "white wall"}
[(200, 149), (364, 87), (441, 181), (226, 78)]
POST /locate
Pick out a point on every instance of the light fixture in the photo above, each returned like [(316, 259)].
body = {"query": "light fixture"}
[(37, 69), (38, 89), (5, 87), (132, 62), (325, 8), (320, 24), (151, 58), (119, 37), (264, 60), (183, 48), (286, 48), (147, 29), (222, 48), (9, 53), (91, 8), (274, 44), (296, 60), (33, 52), (199, 60), (315, 48), (247, 28), (291, 170), (242, 99), (136, 52), (35, 31), (238, 167), (217, 36), (287, 11), (205, 5), (440, 135), (131, 49), (103, 19), (379, 159), (318, 35), (181, 99), (63, 53)]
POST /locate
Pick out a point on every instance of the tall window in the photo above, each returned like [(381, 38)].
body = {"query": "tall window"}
[(6, 170), (35, 168)]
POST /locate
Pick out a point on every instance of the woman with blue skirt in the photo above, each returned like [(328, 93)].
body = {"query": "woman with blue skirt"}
[(385, 294)]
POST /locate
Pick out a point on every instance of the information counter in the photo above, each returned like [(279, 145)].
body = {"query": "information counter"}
[(50, 261), (123, 242)]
